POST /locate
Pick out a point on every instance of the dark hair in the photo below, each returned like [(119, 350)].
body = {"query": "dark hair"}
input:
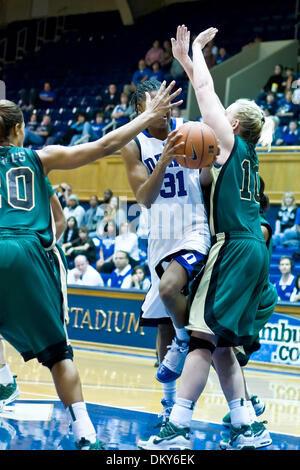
[(263, 198), (139, 95), (84, 229), (141, 268), (10, 115), (74, 218)]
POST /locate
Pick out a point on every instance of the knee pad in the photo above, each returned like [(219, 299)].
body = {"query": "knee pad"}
[(66, 354), (199, 343)]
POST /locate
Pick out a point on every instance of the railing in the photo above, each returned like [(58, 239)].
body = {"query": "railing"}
[(21, 43)]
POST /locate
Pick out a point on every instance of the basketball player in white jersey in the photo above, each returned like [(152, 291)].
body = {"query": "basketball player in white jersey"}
[(179, 237)]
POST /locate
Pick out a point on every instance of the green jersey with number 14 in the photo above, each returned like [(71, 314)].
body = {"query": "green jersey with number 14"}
[(24, 194)]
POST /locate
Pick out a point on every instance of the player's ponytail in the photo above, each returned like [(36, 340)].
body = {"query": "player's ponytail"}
[(267, 132), (10, 115)]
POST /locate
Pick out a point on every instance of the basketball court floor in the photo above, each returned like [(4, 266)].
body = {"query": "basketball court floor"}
[(123, 399)]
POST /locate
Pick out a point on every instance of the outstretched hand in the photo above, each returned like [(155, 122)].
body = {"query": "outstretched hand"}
[(205, 37), (162, 102), (180, 45)]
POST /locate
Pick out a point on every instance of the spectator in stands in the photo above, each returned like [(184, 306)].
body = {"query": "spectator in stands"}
[(210, 53), (287, 110), (285, 225), (168, 56), (270, 104), (84, 274), (122, 111), (97, 126), (139, 278), (289, 135), (139, 76), (121, 275), (128, 241), (110, 100), (295, 297), (286, 283), (40, 135), (46, 96), (114, 212), (71, 233), (176, 112), (154, 54), (32, 124), (74, 208), (156, 73), (275, 81), (90, 218), (176, 72), (63, 191), (80, 130), (222, 56), (105, 263), (296, 92), (83, 245), (288, 79)]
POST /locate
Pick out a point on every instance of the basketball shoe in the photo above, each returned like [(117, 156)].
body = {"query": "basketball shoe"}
[(84, 444), (8, 393), (165, 414), (170, 437), (258, 405), (171, 367), (262, 436), (240, 439)]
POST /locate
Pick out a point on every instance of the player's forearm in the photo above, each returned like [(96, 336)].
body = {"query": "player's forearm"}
[(187, 64), (148, 191), (201, 74)]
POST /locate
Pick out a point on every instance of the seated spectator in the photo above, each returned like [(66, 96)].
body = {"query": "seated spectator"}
[(222, 56), (139, 76), (296, 92), (176, 112), (289, 135), (286, 283), (122, 111), (46, 96), (269, 104), (71, 233), (155, 53), (83, 245), (63, 191), (274, 82), (128, 241), (288, 78), (33, 123), (79, 130), (168, 56), (83, 274), (295, 297), (90, 218), (74, 208), (114, 212), (97, 126), (156, 73), (139, 279), (105, 263), (287, 110), (41, 134), (110, 100), (121, 275), (176, 72), (285, 225)]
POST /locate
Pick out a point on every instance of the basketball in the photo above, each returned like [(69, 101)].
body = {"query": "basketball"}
[(201, 145)]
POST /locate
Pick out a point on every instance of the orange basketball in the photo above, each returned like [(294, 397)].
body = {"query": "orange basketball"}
[(201, 145)]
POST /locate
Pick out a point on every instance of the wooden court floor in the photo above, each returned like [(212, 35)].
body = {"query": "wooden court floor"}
[(125, 379)]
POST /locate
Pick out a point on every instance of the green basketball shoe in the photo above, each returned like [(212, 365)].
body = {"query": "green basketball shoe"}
[(262, 436), (258, 405), (170, 437), (84, 444), (8, 393), (240, 439)]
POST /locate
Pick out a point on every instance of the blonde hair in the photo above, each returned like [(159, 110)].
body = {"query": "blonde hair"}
[(254, 126), (292, 196)]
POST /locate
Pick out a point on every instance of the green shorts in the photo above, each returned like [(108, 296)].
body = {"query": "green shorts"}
[(229, 292), (32, 317)]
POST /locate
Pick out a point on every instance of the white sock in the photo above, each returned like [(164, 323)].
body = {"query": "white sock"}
[(6, 376), (239, 413), (170, 389), (251, 411), (81, 423), (182, 334), (182, 412)]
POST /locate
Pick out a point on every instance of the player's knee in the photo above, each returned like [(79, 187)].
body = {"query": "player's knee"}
[(200, 343), (167, 290), (61, 356)]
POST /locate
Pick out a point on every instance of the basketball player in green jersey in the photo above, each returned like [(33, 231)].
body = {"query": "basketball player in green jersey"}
[(224, 308), (32, 317)]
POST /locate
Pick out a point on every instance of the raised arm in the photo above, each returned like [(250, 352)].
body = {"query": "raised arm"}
[(56, 157), (212, 111), (146, 188)]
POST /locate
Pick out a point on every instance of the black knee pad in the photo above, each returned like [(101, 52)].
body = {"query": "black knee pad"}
[(66, 354), (198, 343)]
